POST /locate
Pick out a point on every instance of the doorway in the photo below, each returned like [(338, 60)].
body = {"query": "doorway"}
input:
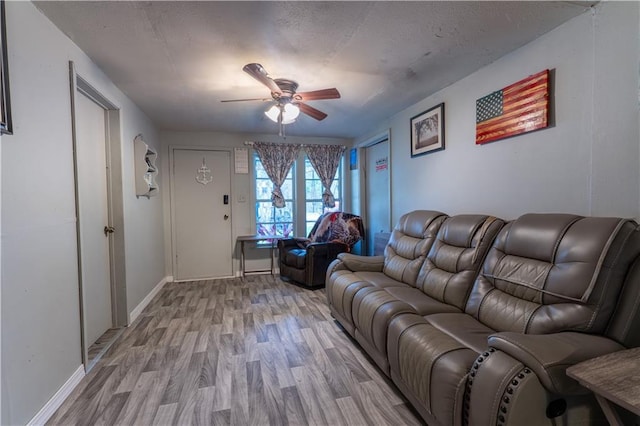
[(99, 218), (201, 214), (377, 191)]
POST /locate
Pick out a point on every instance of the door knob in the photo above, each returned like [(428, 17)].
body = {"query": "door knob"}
[(109, 230), (226, 216)]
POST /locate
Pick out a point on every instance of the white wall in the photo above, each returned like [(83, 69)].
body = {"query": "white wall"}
[(144, 232), (242, 214), (587, 164), (40, 308)]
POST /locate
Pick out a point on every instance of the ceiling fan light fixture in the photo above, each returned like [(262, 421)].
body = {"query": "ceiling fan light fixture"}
[(289, 113), (273, 113)]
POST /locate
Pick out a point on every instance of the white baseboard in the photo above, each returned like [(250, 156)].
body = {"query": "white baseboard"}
[(135, 313), (56, 400)]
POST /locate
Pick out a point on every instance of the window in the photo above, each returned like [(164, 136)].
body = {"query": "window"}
[(305, 197), (313, 194), (270, 220)]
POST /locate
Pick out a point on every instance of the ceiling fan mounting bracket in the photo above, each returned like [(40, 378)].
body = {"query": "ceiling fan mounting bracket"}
[(288, 88)]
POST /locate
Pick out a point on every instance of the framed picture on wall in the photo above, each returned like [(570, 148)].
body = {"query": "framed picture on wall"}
[(5, 99), (427, 131)]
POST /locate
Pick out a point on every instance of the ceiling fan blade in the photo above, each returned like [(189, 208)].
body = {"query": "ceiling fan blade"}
[(246, 100), (318, 94), (311, 111), (258, 72)]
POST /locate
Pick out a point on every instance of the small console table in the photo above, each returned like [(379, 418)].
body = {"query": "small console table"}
[(242, 239), (613, 378)]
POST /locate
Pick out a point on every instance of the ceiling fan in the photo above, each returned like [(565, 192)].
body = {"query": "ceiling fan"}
[(289, 103)]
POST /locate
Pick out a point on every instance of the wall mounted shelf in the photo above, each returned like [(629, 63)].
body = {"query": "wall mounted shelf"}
[(146, 170)]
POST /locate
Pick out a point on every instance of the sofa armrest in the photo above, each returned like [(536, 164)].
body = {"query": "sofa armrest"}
[(288, 243), (549, 355), (355, 262), (330, 249)]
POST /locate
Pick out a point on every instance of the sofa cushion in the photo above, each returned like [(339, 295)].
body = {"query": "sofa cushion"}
[(343, 286), (420, 302), (410, 241), (429, 365), (552, 272), (373, 309), (455, 257), (462, 327), (295, 258), (378, 279)]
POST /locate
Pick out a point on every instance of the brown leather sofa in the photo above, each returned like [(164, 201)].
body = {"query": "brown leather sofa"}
[(476, 321)]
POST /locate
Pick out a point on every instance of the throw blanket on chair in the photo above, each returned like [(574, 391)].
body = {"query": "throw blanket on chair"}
[(340, 227)]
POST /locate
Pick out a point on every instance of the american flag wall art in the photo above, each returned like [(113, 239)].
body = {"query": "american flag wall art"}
[(519, 108)]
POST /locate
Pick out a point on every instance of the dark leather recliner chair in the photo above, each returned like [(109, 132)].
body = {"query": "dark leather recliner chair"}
[(305, 260)]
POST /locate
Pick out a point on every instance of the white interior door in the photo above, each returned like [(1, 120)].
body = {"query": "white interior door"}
[(377, 191), (93, 217), (202, 214)]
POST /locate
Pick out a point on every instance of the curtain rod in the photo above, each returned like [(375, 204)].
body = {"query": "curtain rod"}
[(250, 143)]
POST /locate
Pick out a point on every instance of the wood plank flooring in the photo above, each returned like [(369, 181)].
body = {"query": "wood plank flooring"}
[(100, 346), (258, 351)]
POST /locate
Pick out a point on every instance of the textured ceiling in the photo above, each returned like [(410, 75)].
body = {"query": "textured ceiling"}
[(177, 60)]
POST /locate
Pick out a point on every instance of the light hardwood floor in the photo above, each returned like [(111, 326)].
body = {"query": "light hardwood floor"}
[(257, 351)]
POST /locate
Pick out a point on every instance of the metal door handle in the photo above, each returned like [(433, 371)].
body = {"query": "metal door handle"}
[(109, 230), (226, 216)]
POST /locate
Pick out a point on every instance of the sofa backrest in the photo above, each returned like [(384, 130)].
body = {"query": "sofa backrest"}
[(409, 244), (624, 326), (547, 273), (456, 256)]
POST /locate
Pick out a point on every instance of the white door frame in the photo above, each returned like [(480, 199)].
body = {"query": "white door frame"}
[(362, 154), (114, 203), (172, 149)]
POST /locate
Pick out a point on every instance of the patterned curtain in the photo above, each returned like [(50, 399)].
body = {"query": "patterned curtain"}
[(325, 160), (277, 159)]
